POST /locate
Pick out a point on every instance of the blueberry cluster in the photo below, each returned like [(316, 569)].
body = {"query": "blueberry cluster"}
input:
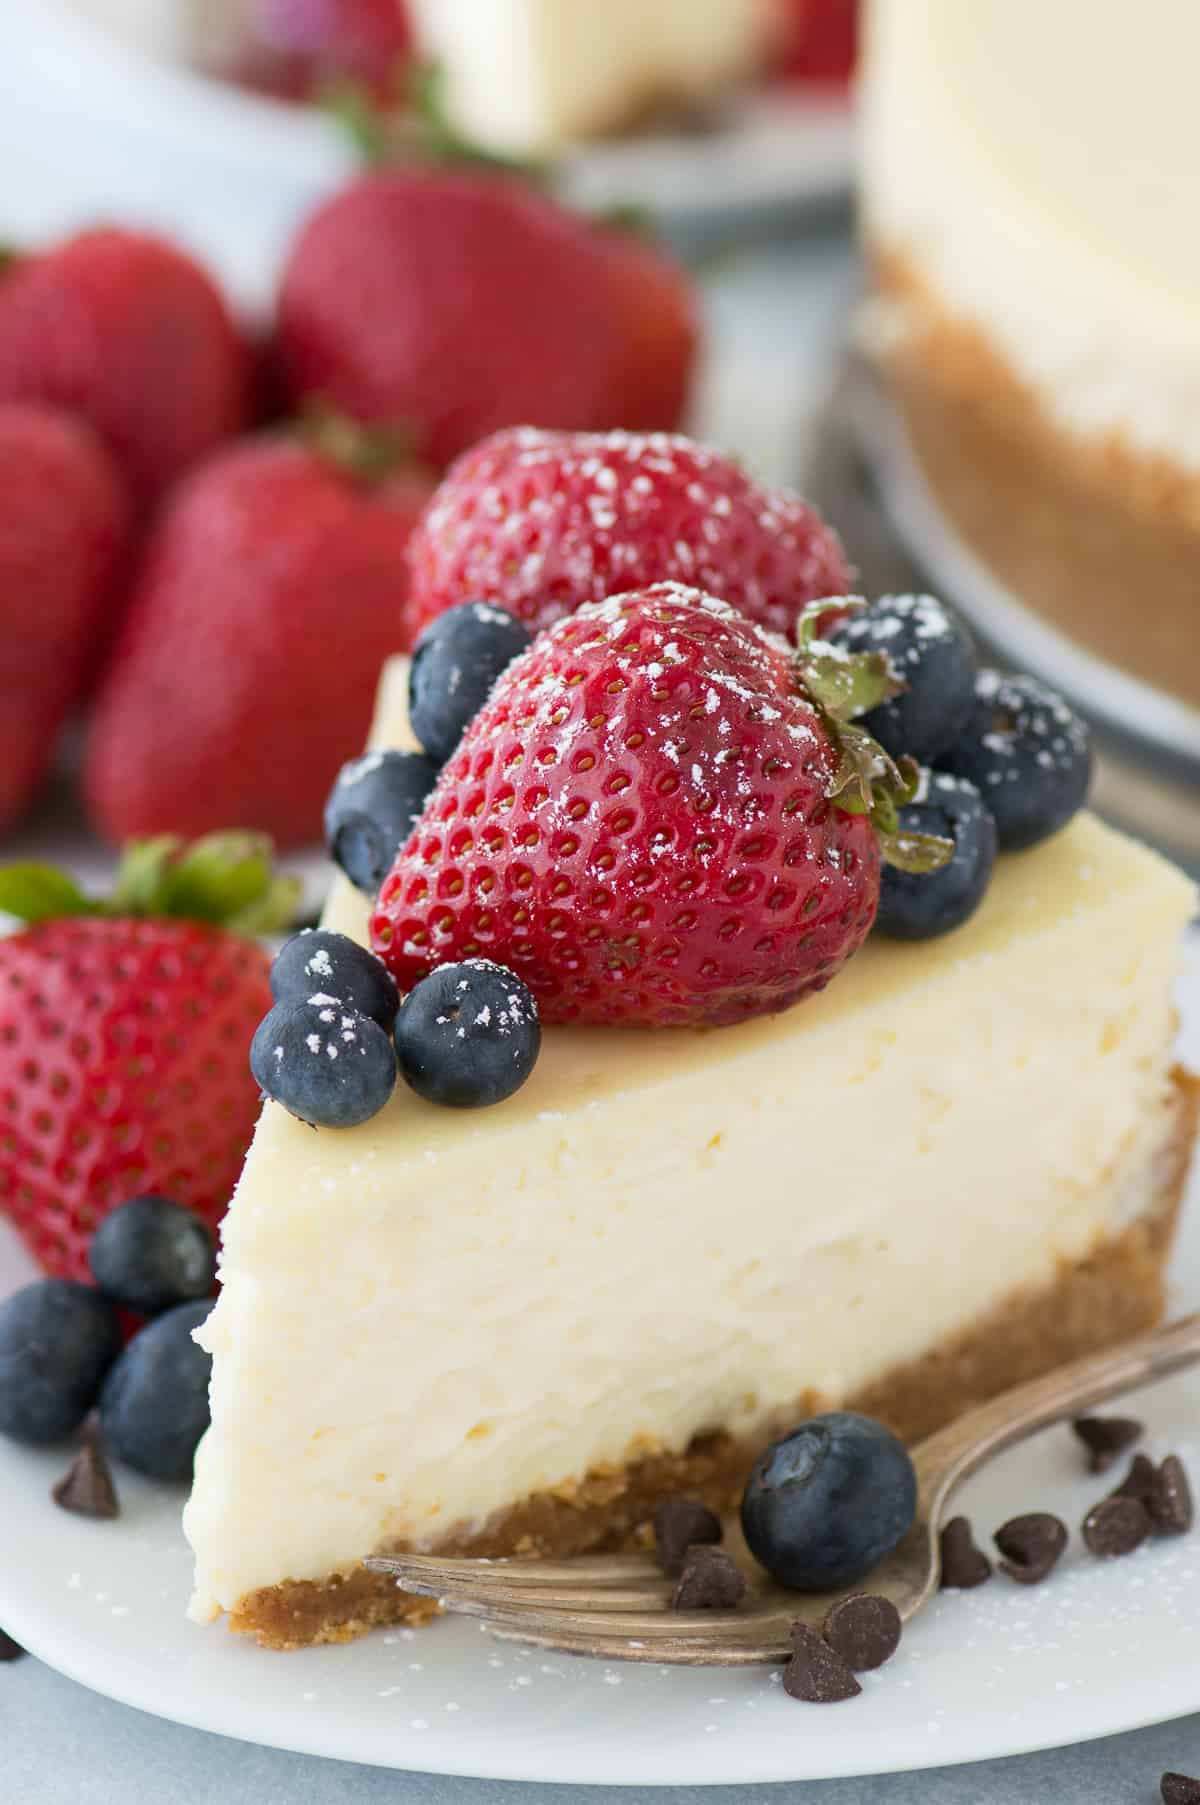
[(61, 1352), (338, 1035), (377, 800), (1005, 762)]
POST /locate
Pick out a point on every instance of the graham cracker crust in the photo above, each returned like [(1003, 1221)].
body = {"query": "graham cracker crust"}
[(1100, 537), (1117, 1291)]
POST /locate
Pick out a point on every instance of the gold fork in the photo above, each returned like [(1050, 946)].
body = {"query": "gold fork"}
[(618, 1605)]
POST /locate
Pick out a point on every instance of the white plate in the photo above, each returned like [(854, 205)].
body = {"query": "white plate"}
[(100, 119), (1102, 1647)]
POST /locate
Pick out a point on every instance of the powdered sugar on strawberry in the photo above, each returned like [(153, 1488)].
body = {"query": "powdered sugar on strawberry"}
[(541, 522), (637, 823)]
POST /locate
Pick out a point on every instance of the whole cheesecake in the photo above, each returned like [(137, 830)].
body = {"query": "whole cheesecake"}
[(1028, 203), (521, 1329)]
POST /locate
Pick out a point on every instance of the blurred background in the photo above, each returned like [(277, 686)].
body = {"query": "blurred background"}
[(883, 254)]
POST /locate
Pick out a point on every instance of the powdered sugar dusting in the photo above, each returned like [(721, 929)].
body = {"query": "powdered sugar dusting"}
[(542, 521)]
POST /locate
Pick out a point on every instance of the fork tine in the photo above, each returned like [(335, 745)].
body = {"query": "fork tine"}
[(614, 1601), (530, 1574), (650, 1626), (771, 1643)]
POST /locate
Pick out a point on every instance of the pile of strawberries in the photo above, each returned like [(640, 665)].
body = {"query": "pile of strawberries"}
[(202, 537)]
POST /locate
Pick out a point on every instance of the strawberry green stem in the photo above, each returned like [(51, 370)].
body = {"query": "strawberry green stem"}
[(867, 781), (361, 119), (367, 454)]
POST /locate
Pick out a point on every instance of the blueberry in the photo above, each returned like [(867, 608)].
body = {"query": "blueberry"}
[(830, 1501), (457, 660), (468, 1035), (1028, 755), (154, 1406), (373, 806), (920, 905), (151, 1253), (319, 963), (326, 1063), (57, 1341), (931, 649)]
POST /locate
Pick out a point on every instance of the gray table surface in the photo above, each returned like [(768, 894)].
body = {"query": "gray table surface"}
[(776, 316)]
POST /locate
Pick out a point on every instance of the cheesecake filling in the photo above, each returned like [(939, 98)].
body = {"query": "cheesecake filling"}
[(528, 77), (426, 1320), (1047, 197)]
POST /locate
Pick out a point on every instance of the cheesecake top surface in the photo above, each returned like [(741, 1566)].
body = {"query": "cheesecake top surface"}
[(1039, 163)]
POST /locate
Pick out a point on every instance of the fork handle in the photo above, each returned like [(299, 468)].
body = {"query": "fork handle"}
[(945, 1459)]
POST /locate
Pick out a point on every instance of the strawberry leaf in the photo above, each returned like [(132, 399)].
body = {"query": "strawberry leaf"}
[(915, 852), (361, 119), (222, 878), (36, 893), (843, 683), (140, 875), (227, 879), (866, 780)]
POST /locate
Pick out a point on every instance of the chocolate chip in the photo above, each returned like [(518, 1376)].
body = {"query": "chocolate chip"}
[(709, 1582), (9, 1650), (1139, 1481), (1031, 1545), (863, 1629), (815, 1673), (963, 1564), (1105, 1437), (1116, 1526), (1170, 1498), (87, 1487), (1180, 1789), (679, 1524)]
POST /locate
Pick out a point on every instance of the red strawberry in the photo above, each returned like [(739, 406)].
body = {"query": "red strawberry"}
[(272, 591), (131, 333), (453, 302), (124, 1039), (539, 522), (64, 529), (661, 332), (819, 40), (295, 47), (650, 820)]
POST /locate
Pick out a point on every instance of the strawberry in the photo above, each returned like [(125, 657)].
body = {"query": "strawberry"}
[(819, 40), (124, 1034), (64, 531), (131, 333), (294, 48), (452, 302), (538, 522), (660, 331), (272, 591), (661, 817)]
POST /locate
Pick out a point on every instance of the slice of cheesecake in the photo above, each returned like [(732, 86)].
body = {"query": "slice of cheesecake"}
[(531, 77), (519, 1329)]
